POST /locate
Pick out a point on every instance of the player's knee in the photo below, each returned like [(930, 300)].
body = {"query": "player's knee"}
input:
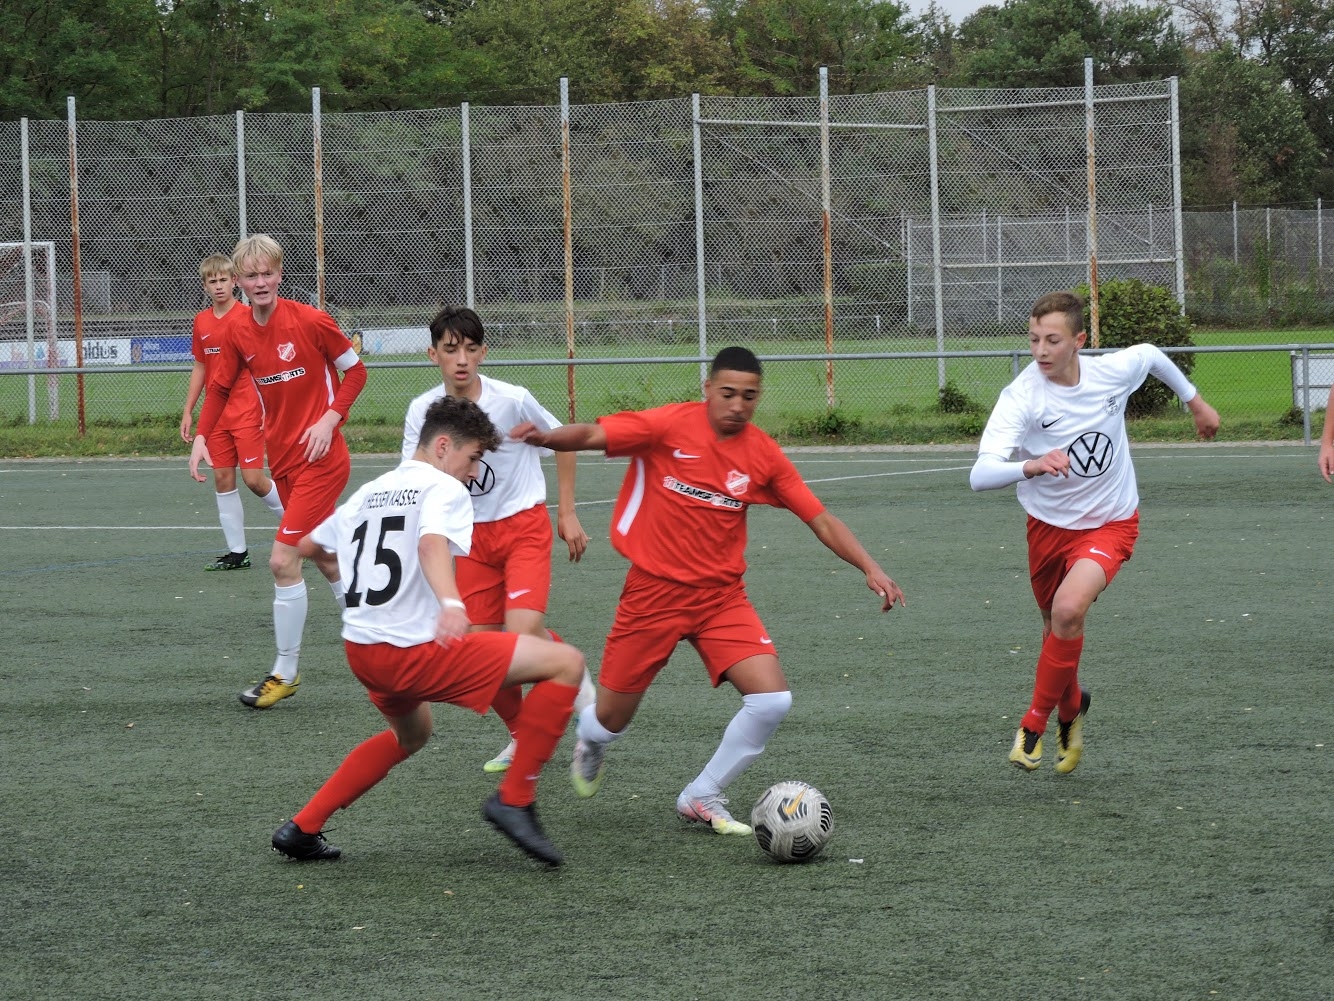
[(414, 742), (1067, 618), (568, 664), (769, 707)]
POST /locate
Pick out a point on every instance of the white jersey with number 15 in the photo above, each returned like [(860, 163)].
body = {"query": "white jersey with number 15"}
[(375, 534)]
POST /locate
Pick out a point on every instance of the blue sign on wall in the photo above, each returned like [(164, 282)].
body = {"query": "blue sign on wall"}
[(173, 348)]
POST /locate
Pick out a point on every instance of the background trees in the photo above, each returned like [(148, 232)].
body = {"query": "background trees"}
[(1257, 76)]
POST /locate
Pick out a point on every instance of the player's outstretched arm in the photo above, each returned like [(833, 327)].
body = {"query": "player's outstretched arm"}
[(1206, 417), (567, 522), (838, 538), (566, 438)]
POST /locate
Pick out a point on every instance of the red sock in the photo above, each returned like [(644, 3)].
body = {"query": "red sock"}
[(507, 702), (546, 710), (1058, 668), (1072, 700), (366, 765)]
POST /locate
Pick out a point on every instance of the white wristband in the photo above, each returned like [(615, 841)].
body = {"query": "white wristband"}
[(452, 603)]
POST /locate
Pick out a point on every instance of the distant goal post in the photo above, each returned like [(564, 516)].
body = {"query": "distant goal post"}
[(28, 316)]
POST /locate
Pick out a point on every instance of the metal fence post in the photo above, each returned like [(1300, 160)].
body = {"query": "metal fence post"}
[(1236, 251), (1306, 394), (828, 245), (1000, 287), (77, 276), (907, 259), (465, 149), (1177, 230), (1092, 231), (936, 279), (569, 235), (1319, 235), (318, 149), (29, 320), (701, 303), (241, 222)]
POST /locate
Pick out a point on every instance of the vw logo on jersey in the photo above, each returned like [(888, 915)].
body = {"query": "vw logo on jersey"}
[(1090, 454), (485, 483)]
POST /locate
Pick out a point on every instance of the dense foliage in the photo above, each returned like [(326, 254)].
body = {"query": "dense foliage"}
[(1132, 312), (1257, 110)]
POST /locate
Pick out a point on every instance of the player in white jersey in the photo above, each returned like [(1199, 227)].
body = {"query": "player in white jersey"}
[(1059, 432), (409, 641), (506, 579)]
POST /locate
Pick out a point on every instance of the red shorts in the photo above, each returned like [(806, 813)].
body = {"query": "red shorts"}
[(654, 615), (509, 566), (239, 446), (310, 492), (1053, 551), (468, 673)]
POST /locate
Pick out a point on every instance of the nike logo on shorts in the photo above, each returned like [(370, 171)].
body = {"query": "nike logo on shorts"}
[(291, 531), (766, 641), (678, 454), (1095, 549), (250, 458), (518, 594)]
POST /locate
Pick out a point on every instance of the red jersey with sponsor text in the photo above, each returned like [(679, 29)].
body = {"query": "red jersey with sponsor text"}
[(681, 512), (291, 359), (243, 410)]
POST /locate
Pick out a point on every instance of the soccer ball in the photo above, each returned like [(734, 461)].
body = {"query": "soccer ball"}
[(792, 821)]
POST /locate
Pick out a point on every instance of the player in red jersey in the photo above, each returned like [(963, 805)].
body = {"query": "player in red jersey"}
[(680, 519), (294, 353), (238, 438)]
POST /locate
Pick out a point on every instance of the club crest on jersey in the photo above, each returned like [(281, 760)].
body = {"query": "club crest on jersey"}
[(287, 351), (1113, 404), (736, 483)]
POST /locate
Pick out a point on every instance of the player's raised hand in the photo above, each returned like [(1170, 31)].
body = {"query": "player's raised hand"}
[(885, 588), (198, 454), (1054, 463)]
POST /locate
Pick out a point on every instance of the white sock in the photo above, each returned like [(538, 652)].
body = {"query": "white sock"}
[(742, 742), (289, 622), (592, 731), (232, 517), (272, 501), (339, 590)]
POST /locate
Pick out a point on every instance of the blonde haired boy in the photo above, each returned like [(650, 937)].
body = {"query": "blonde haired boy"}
[(308, 377)]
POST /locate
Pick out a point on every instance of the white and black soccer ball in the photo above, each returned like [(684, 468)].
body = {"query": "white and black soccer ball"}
[(792, 821)]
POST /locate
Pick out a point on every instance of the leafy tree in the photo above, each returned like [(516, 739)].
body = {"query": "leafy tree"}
[(1132, 312), (1243, 137), (778, 46), (1028, 43), (94, 50)]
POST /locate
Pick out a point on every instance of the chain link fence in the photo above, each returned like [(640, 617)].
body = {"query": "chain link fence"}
[(910, 227)]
